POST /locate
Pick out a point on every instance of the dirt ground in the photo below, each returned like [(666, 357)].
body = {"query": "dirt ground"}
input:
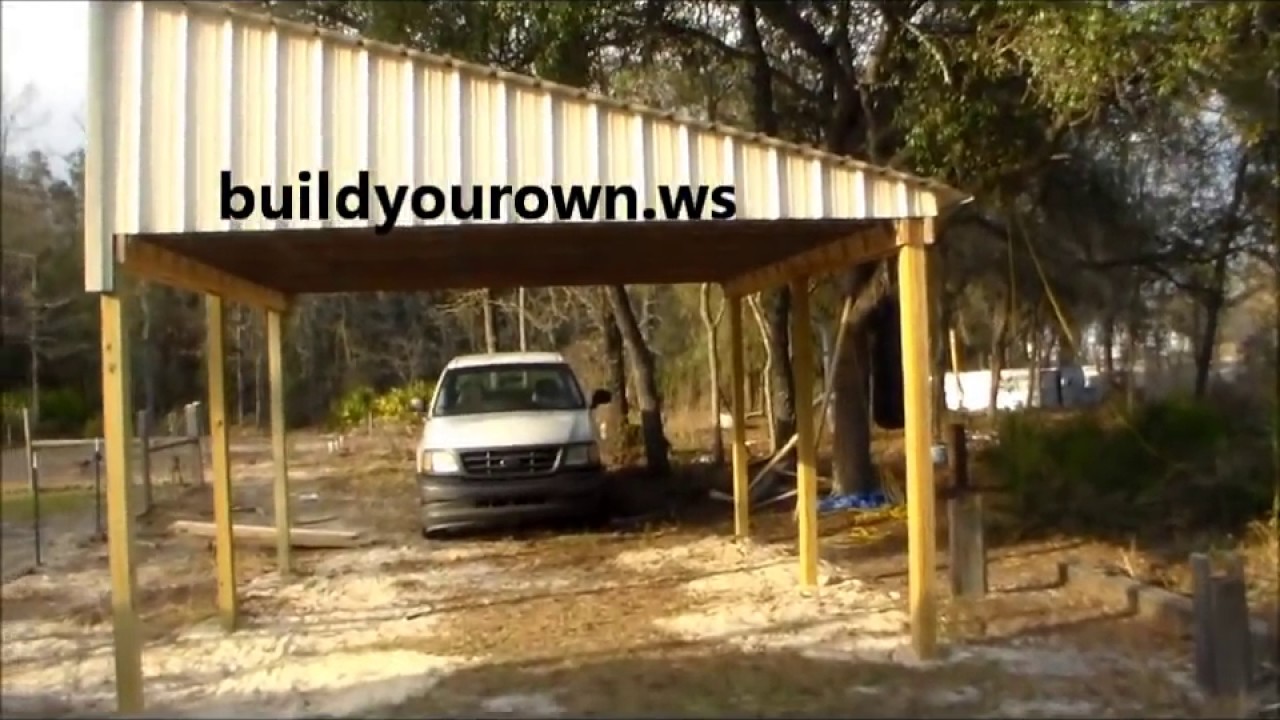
[(667, 617)]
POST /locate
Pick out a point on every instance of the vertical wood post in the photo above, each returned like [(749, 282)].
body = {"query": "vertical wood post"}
[(224, 546), (1202, 620), (737, 374), (806, 467), (913, 283), (279, 447), (966, 544), (116, 417), (1232, 642)]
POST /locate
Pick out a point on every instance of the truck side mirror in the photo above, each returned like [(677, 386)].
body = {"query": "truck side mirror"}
[(601, 397), (417, 405)]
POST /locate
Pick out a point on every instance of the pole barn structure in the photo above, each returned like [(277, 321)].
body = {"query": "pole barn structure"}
[(181, 91)]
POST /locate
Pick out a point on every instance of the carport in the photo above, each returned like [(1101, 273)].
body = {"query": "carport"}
[(182, 91)]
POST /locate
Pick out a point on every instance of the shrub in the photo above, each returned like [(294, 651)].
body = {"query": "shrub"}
[(63, 411), (353, 408), (1169, 466)]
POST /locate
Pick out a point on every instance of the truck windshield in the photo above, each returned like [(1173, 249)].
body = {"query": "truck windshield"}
[(508, 388)]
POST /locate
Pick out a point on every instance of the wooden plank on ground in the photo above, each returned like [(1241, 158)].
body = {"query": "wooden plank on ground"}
[(266, 535)]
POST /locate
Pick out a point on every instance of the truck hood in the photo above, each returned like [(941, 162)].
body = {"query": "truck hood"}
[(507, 429)]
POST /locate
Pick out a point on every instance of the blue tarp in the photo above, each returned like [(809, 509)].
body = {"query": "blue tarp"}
[(858, 501)]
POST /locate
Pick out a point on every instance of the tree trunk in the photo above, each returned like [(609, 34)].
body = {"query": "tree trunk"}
[(713, 363), (766, 373), (1109, 345), (999, 339), (1208, 340), (615, 416), (489, 321), (521, 328), (1215, 299), (1033, 365), (148, 353), (777, 317), (853, 468), (238, 319), (656, 447)]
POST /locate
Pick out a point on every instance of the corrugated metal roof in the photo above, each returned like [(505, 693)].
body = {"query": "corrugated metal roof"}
[(181, 91)]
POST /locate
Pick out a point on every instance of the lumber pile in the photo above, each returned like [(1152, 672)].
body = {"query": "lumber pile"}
[(266, 535)]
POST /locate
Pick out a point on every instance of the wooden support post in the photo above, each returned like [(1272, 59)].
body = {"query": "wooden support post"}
[(1231, 642), (965, 541), (806, 467), (1202, 620), (913, 283), (279, 448), (738, 376), (224, 546), (116, 419)]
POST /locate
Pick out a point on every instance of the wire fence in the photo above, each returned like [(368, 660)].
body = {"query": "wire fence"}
[(59, 472)]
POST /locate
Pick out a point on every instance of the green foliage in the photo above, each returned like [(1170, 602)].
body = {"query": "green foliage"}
[(363, 402), (63, 410), (394, 404), (11, 404), (1169, 466)]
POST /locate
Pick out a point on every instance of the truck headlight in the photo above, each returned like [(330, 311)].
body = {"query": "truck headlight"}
[(580, 455), (442, 462)]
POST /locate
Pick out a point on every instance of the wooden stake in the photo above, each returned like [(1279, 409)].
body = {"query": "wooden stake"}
[(806, 467), (279, 446), (737, 362), (966, 543), (116, 431), (224, 545), (913, 282)]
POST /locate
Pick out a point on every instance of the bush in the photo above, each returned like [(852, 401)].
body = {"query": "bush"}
[(1169, 466), (353, 408), (63, 411)]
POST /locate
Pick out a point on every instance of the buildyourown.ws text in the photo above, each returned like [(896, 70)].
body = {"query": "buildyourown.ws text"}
[(313, 198)]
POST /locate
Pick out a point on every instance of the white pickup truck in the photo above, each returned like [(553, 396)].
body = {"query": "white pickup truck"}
[(508, 437)]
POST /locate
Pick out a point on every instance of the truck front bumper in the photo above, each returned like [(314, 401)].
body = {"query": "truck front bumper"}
[(452, 502)]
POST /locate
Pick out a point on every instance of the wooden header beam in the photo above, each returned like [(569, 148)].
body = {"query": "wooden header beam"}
[(153, 263), (875, 242)]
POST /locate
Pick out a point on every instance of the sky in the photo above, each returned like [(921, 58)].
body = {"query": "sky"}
[(44, 44)]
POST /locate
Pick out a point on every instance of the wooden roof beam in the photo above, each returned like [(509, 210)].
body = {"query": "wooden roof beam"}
[(153, 263), (876, 241)]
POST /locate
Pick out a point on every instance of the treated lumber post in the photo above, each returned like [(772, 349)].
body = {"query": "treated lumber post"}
[(806, 466), (224, 545), (116, 417), (913, 289), (279, 446)]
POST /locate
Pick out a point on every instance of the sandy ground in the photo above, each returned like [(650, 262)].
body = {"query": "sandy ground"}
[(670, 619)]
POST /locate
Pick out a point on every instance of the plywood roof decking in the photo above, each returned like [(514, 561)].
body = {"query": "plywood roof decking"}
[(180, 91), (501, 255)]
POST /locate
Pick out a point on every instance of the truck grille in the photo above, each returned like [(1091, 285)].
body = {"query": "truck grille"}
[(512, 462)]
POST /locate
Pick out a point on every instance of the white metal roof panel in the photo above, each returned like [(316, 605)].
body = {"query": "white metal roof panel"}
[(181, 91)]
